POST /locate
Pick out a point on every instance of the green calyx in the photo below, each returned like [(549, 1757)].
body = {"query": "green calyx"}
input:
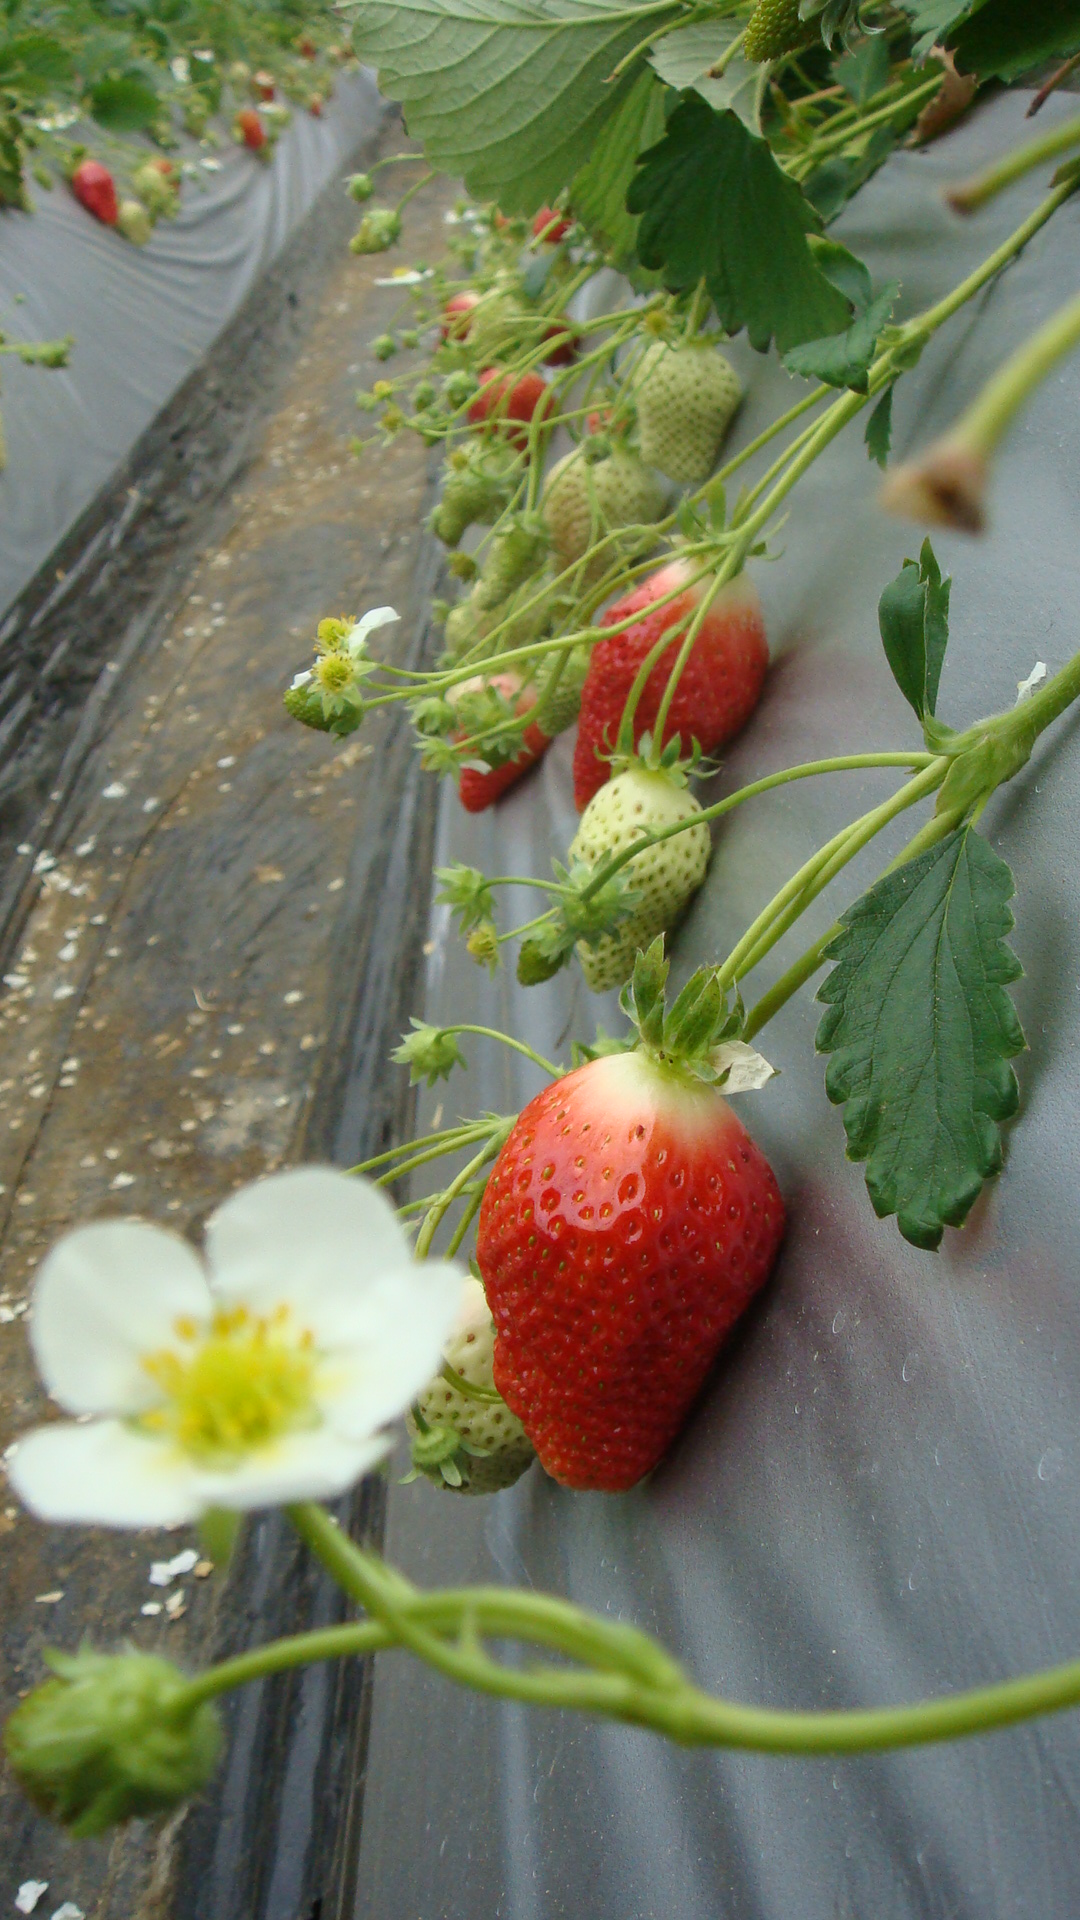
[(687, 1034), (110, 1738)]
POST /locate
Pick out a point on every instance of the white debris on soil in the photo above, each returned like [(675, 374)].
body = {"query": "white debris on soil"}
[(164, 1572), (29, 1894)]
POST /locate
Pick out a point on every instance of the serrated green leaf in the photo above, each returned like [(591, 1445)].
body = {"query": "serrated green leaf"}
[(683, 59), (1000, 40), (920, 1030), (878, 434), (598, 192), (931, 21), (833, 184), (124, 104), (715, 205), (509, 94), (865, 70), (913, 615)]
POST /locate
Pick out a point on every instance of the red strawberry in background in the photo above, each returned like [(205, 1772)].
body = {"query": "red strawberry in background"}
[(251, 129), (480, 787), (563, 332), (551, 226), (306, 49), (456, 315), (262, 86), (718, 689), (95, 189), (502, 402), (628, 1222)]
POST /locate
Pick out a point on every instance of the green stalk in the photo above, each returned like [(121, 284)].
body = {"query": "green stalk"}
[(508, 1040), (972, 194)]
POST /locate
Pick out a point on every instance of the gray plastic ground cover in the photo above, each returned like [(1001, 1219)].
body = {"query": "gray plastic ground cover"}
[(878, 1497), (142, 317)]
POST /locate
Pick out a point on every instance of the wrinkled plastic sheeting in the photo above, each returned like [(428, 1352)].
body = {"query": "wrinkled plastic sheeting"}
[(142, 317), (878, 1497)]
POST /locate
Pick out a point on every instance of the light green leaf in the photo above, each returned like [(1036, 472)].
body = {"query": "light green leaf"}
[(683, 59), (509, 94), (715, 205), (921, 1029), (598, 192)]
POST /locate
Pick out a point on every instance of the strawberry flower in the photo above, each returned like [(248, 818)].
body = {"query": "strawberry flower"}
[(342, 661), (263, 1374)]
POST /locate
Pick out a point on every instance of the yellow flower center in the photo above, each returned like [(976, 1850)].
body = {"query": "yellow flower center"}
[(334, 672), (244, 1383)]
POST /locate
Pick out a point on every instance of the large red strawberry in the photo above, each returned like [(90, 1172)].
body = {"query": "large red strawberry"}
[(718, 689), (95, 189), (480, 787), (249, 129), (551, 226), (507, 405), (628, 1221), (457, 315)]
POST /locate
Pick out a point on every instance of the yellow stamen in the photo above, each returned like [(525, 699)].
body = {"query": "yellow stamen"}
[(249, 1381)]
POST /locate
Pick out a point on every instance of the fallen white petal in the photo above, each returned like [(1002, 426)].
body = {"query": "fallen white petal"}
[(106, 1295), (1025, 688), (103, 1474), (69, 1911), (163, 1572), (746, 1069)]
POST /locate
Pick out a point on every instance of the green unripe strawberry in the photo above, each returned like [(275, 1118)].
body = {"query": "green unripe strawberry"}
[(517, 551), (559, 685), (587, 497), (775, 29), (667, 875), (133, 221), (479, 481), (471, 1444), (686, 400)]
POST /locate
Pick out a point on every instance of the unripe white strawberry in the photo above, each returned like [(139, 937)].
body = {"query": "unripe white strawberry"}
[(586, 497), (686, 400), (666, 876), (472, 1445)]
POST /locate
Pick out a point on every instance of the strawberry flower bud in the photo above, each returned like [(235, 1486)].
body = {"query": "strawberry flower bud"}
[(110, 1738), (482, 946), (360, 186), (430, 1053)]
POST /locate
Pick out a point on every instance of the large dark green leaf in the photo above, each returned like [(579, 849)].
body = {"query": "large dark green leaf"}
[(509, 94), (715, 205), (921, 1029), (1003, 38), (124, 104), (843, 359), (34, 63), (913, 614)]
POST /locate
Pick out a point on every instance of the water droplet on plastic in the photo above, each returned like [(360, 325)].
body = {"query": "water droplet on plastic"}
[(1051, 1464), (910, 1367), (839, 1321)]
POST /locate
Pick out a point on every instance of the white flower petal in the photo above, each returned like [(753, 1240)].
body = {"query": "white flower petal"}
[(301, 1466), (313, 1239), (378, 617), (301, 679), (107, 1294), (397, 1335), (103, 1474)]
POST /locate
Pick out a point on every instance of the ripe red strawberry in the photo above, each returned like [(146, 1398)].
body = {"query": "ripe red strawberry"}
[(250, 128), (628, 1222), (566, 350), (719, 687), (480, 787), (95, 189), (315, 105), (262, 86), (306, 49), (456, 321), (550, 225), (502, 402)]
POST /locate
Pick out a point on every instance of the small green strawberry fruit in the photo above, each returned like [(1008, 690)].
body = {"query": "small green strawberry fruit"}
[(666, 876), (377, 232), (517, 551), (774, 29), (586, 497), (360, 186), (133, 221), (559, 685), (686, 400), (469, 1442)]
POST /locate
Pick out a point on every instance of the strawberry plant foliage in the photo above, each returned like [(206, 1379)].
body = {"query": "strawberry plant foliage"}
[(913, 614), (509, 94), (920, 1030), (598, 192), (714, 205)]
